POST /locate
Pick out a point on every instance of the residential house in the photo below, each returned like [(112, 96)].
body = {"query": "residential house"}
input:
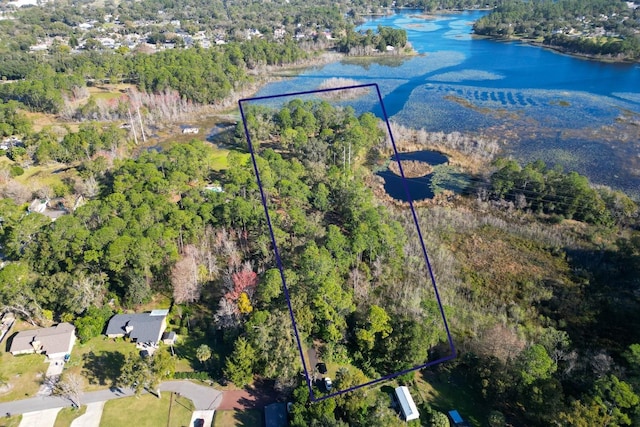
[(145, 329), (44, 207), (55, 342)]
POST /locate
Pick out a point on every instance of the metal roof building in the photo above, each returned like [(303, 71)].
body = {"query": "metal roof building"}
[(407, 405)]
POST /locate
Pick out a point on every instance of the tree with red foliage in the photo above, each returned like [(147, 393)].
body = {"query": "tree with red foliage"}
[(243, 281)]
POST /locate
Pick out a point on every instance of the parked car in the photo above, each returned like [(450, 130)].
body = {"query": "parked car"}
[(327, 383)]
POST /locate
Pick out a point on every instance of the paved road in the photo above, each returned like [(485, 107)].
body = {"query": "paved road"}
[(46, 418), (204, 398)]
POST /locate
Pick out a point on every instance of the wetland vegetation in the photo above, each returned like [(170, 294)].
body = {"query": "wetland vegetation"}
[(537, 267)]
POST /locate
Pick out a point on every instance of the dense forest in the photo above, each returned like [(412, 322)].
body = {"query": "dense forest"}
[(198, 75), (538, 270), (591, 27)]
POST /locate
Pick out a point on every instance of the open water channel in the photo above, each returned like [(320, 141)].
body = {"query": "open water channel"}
[(581, 114)]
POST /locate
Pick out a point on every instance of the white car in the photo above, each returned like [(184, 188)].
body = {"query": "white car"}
[(327, 383)]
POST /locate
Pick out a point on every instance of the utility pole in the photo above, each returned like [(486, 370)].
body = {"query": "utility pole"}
[(144, 138), (344, 155), (133, 127)]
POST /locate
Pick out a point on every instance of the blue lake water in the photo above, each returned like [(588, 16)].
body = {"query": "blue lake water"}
[(419, 188), (582, 114)]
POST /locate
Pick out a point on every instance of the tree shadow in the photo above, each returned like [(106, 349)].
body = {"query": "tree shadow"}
[(260, 394), (104, 368), (186, 350), (248, 418), (9, 341)]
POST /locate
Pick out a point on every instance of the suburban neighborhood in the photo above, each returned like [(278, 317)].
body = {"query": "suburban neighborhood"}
[(56, 347)]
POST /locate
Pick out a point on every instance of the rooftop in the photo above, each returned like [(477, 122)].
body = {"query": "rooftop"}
[(52, 340), (140, 327)]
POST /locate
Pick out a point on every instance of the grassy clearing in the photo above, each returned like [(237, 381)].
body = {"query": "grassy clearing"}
[(218, 159), (148, 411), (49, 175), (108, 92), (445, 394), (40, 121), (67, 415), (231, 418), (23, 374), (99, 360), (186, 352), (12, 421)]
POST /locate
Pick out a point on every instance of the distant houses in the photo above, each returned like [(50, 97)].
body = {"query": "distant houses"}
[(55, 342), (145, 329)]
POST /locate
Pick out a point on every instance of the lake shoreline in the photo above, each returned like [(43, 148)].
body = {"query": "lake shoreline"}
[(556, 49)]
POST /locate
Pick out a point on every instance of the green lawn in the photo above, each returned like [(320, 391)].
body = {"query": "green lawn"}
[(147, 411), (12, 421), (231, 418), (67, 415), (185, 350), (219, 159), (99, 360), (46, 176), (23, 373)]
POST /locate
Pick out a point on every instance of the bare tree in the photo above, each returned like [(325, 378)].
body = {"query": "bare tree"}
[(70, 386), (601, 364), (184, 277), (501, 342)]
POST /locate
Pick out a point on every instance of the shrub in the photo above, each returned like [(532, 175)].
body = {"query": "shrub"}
[(16, 171), (201, 376)]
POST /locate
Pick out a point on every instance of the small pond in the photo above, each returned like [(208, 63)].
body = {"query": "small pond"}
[(419, 188)]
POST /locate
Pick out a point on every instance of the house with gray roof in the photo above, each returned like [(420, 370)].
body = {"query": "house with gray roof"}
[(55, 342), (145, 329)]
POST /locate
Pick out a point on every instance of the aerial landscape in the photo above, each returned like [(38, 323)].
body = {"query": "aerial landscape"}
[(289, 213)]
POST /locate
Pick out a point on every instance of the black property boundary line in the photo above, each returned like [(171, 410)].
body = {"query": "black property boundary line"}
[(453, 354)]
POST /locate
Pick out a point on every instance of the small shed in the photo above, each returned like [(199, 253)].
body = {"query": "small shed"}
[(456, 419), (407, 405), (169, 338)]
